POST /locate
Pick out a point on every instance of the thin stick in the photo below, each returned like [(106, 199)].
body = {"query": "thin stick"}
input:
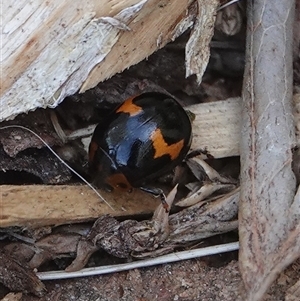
[(174, 257), (60, 159), (227, 4)]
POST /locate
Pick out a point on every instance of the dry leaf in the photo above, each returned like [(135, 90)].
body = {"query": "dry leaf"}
[(230, 19), (13, 297), (293, 293), (202, 221)]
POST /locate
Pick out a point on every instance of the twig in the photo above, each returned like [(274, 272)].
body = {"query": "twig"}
[(184, 255), (227, 4)]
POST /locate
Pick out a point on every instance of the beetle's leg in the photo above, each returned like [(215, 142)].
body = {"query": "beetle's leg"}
[(157, 192)]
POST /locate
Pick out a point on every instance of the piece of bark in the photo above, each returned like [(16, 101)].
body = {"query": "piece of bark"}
[(197, 48), (41, 164), (15, 140), (18, 277), (269, 211)]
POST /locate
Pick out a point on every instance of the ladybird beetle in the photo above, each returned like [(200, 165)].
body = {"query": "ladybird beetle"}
[(143, 138)]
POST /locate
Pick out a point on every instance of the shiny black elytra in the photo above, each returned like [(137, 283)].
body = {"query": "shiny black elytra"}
[(142, 139)]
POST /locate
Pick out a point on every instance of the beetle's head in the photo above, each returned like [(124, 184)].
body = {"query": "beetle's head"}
[(104, 171)]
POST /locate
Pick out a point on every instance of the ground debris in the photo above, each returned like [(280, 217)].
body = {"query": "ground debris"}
[(19, 277)]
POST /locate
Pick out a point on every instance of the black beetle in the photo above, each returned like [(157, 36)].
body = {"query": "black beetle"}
[(142, 139)]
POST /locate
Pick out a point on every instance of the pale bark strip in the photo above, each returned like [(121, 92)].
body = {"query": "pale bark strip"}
[(268, 214), (197, 48)]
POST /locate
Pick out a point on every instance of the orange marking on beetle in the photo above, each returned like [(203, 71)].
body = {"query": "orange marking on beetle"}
[(92, 150), (162, 148), (129, 107), (118, 181)]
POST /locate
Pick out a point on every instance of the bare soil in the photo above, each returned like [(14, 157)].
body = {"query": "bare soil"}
[(187, 280)]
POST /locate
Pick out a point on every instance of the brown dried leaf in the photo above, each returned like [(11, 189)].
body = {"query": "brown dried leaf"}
[(13, 297), (59, 243), (198, 166), (54, 246), (204, 192), (229, 20), (293, 293), (85, 249), (216, 182), (202, 221)]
